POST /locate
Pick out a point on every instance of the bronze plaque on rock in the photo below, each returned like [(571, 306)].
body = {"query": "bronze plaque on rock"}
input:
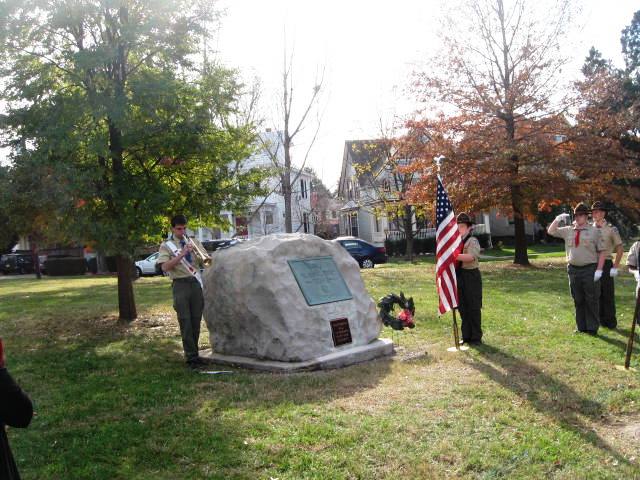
[(320, 280), (340, 331)]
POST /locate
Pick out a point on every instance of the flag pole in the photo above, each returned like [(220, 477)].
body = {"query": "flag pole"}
[(456, 336), (632, 334)]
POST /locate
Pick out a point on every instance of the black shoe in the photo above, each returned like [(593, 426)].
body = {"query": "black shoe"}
[(196, 363)]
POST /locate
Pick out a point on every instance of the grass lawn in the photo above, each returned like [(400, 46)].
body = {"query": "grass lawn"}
[(535, 401)]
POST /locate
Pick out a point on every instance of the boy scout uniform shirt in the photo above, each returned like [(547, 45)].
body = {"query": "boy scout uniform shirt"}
[(586, 252), (179, 271), (472, 247), (632, 258), (610, 238)]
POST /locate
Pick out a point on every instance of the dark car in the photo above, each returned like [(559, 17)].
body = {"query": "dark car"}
[(16, 263), (213, 245), (366, 255)]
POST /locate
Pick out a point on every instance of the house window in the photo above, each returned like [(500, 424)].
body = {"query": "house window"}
[(376, 223), (334, 214), (303, 189), (386, 185), (305, 222), (268, 218)]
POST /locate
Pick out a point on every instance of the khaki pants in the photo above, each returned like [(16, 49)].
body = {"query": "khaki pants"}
[(188, 303)]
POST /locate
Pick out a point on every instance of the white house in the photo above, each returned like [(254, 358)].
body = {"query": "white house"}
[(266, 214)]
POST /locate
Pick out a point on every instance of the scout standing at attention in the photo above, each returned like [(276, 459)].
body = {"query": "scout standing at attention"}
[(179, 258), (585, 256), (612, 242), (632, 263), (469, 282)]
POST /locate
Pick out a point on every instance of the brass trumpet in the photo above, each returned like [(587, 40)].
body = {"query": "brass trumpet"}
[(199, 252)]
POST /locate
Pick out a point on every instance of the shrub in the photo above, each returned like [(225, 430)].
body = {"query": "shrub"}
[(64, 266)]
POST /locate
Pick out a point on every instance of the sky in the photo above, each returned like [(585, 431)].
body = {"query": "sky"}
[(367, 50)]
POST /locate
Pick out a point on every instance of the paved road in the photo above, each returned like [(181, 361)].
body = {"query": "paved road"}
[(17, 277)]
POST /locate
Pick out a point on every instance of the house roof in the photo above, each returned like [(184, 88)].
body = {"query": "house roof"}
[(363, 152)]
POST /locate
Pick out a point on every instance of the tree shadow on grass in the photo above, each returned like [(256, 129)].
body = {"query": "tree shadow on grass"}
[(546, 394), (107, 386), (622, 345)]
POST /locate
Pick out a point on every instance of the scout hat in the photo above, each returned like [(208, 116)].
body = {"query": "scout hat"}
[(581, 208), (599, 206), (464, 218)]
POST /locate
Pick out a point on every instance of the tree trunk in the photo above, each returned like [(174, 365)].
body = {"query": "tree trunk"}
[(126, 299), (408, 231), (521, 256), (286, 184), (101, 263), (36, 261)]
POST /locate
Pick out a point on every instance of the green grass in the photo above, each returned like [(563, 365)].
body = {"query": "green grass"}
[(505, 253), (534, 251), (114, 401)]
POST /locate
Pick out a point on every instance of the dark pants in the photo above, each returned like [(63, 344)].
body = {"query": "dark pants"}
[(607, 297), (470, 303), (188, 303), (586, 296)]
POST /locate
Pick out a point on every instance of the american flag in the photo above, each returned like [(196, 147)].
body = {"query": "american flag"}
[(447, 243)]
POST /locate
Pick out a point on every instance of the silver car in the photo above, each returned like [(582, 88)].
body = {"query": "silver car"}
[(147, 266)]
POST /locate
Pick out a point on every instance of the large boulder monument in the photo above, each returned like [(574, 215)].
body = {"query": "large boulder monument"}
[(290, 302)]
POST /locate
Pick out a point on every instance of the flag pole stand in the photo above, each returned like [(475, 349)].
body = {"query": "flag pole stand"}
[(456, 337), (632, 334)]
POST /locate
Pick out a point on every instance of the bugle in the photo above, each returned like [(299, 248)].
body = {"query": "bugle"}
[(199, 252)]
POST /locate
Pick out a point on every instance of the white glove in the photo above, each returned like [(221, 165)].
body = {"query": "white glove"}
[(613, 272), (597, 275), (563, 217)]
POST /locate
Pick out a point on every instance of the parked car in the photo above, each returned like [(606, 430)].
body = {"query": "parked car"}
[(366, 255), (148, 266), (16, 263), (213, 245)]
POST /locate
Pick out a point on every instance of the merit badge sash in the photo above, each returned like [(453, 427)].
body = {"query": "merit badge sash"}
[(192, 270)]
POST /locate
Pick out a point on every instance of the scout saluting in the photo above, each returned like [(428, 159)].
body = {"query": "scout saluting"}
[(469, 282), (585, 256), (612, 241)]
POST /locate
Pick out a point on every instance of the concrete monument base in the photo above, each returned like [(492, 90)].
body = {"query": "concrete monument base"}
[(341, 358)]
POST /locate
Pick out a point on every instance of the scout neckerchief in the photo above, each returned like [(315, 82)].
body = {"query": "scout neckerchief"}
[(192, 270), (463, 243)]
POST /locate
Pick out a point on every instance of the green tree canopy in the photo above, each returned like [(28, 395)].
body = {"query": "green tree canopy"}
[(114, 99)]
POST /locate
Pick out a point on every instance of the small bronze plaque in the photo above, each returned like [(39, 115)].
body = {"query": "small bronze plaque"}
[(340, 332)]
